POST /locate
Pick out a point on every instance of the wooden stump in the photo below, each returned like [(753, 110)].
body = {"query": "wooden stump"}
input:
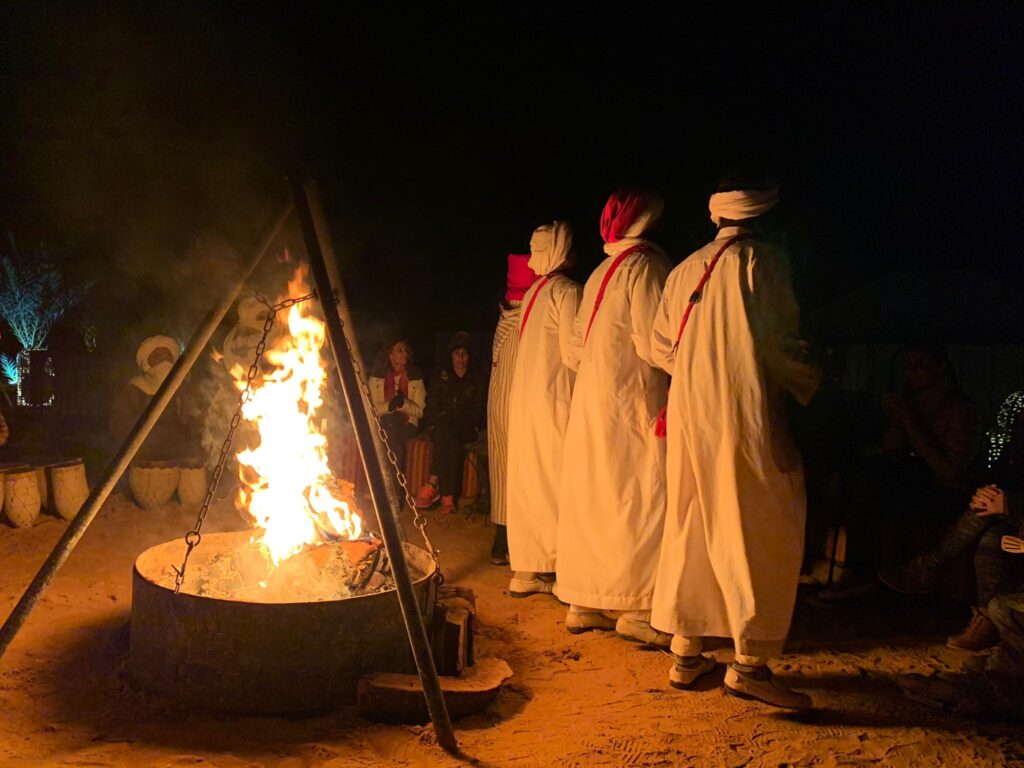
[(397, 698)]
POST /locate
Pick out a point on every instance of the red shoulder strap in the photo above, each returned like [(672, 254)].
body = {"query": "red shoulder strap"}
[(529, 307), (604, 283), (695, 296)]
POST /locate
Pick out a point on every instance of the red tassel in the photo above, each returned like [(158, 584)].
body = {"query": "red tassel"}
[(661, 423)]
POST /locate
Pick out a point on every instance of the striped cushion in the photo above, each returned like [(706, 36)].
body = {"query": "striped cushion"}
[(417, 462)]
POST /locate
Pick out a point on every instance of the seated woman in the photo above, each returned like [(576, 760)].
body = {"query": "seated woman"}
[(454, 413), (995, 511), (399, 395)]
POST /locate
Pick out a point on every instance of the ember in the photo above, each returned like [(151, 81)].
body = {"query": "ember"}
[(332, 571)]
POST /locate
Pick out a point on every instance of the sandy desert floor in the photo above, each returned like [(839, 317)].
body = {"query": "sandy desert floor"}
[(589, 700)]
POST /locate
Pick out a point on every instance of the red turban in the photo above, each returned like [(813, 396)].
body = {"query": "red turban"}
[(623, 209), (520, 276)]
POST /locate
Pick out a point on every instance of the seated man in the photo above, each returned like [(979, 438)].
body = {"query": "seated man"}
[(902, 500), (995, 511)]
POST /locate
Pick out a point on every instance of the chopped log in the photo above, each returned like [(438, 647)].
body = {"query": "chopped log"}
[(397, 698)]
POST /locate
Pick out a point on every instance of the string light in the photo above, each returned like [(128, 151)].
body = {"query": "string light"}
[(999, 437)]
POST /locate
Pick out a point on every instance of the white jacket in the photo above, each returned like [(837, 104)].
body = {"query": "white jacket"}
[(414, 403)]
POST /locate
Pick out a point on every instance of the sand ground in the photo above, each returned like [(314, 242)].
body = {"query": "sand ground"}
[(589, 700)]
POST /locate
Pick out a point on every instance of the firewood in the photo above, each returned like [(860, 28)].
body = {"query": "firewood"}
[(398, 698)]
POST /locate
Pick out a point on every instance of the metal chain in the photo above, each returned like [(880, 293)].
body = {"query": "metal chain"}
[(193, 537), (419, 519)]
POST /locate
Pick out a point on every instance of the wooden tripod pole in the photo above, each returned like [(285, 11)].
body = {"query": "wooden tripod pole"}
[(330, 300)]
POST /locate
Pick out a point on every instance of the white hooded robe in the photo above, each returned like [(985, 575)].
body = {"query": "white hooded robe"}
[(734, 530)]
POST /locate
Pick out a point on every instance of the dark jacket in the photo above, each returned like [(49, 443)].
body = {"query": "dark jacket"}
[(450, 397)]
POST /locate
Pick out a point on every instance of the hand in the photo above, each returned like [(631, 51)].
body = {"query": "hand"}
[(989, 501), (396, 402), (1012, 544)]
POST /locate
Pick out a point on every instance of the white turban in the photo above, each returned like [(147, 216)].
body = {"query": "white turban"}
[(549, 247), (742, 204)]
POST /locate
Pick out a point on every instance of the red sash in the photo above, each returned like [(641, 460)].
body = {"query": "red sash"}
[(529, 307), (604, 283), (661, 424), (695, 296)]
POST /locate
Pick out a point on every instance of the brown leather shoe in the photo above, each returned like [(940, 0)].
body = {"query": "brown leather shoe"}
[(980, 634)]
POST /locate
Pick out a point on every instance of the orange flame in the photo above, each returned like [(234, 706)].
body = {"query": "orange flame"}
[(285, 478)]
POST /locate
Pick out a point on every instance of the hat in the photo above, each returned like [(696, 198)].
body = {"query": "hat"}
[(460, 340), (629, 213), (520, 276)]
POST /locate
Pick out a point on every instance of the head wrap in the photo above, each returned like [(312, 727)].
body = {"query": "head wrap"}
[(630, 213), (742, 204), (153, 375), (549, 247), (520, 276)]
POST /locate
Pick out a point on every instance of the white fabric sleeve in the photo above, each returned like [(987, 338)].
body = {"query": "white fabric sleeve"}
[(648, 284), (573, 352), (775, 323), (666, 327), (568, 308)]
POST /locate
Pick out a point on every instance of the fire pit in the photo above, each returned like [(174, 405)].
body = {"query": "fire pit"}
[(279, 657)]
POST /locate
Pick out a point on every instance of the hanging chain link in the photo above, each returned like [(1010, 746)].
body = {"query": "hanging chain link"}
[(419, 519), (193, 537)]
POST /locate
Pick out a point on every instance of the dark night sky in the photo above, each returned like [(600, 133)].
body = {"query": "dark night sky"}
[(441, 137)]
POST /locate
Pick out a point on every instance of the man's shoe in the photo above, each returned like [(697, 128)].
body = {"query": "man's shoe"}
[(427, 496), (641, 631), (918, 577), (759, 684), (980, 634), (447, 505), (687, 669), (526, 583), (579, 619)]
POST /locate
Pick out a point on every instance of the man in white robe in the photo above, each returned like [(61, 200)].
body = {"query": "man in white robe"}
[(539, 411), (731, 555), (612, 496)]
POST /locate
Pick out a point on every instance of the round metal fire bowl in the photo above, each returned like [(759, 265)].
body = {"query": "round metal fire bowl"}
[(261, 658)]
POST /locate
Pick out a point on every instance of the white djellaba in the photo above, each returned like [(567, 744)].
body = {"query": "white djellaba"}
[(612, 493), (539, 402), (733, 539)]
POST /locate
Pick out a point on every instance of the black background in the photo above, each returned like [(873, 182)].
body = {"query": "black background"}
[(145, 144)]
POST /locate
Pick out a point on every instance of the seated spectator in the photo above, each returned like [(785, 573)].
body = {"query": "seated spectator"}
[(454, 413), (997, 510), (903, 499), (399, 395), (169, 439)]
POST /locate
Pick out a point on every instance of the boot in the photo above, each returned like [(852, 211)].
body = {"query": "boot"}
[(633, 625), (526, 583), (759, 684), (579, 619), (687, 669), (918, 577), (980, 634)]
